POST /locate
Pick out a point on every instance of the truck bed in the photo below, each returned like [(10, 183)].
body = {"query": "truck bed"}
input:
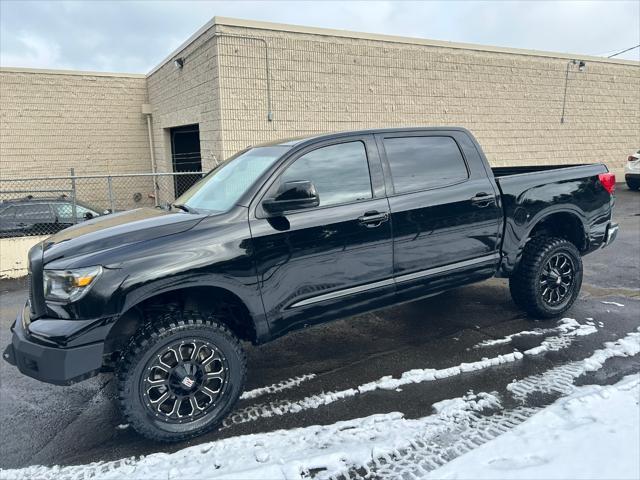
[(529, 193), (509, 171)]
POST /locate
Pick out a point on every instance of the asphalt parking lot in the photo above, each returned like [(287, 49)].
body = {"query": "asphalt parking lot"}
[(47, 425)]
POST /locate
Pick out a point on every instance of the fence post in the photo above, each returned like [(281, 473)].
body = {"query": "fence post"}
[(156, 189), (110, 186), (73, 196)]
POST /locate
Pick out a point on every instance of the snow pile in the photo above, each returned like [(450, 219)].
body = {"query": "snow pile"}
[(284, 454), (594, 433)]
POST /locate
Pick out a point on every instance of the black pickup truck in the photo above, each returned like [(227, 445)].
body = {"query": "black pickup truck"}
[(287, 235)]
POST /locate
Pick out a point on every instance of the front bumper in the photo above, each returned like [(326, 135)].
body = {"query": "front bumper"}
[(51, 363)]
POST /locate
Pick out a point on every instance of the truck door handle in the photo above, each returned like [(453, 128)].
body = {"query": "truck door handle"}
[(373, 219), (483, 199)]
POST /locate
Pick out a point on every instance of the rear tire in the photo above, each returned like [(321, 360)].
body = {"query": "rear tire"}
[(180, 376), (548, 279), (633, 184)]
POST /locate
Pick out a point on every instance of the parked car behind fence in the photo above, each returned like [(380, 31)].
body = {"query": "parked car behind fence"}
[(45, 205)]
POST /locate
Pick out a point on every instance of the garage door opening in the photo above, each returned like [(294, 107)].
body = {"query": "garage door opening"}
[(185, 156)]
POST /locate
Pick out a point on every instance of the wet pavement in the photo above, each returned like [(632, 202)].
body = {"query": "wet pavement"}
[(45, 424)]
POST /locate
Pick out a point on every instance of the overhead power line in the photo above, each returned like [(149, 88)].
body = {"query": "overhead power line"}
[(626, 50)]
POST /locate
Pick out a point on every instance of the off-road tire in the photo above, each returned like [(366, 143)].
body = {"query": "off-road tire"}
[(525, 281), (151, 339)]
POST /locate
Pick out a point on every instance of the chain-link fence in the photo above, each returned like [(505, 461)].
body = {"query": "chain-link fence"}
[(46, 205)]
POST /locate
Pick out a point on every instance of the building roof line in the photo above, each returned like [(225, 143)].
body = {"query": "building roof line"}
[(237, 22), (71, 72), (328, 32), (184, 45)]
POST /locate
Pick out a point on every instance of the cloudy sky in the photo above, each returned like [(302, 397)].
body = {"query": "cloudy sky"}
[(133, 36)]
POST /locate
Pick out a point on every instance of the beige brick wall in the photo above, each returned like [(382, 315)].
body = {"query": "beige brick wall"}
[(52, 121), (321, 81), (187, 96), (511, 102)]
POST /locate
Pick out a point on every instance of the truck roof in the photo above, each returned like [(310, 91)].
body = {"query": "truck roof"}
[(295, 141)]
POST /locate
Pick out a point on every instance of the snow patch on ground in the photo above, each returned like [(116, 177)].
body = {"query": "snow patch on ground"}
[(388, 445), (593, 433), (277, 387), (566, 326), (509, 338), (430, 374), (284, 454), (613, 303), (560, 379), (284, 407)]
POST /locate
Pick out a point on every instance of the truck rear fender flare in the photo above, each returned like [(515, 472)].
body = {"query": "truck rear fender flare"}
[(564, 221)]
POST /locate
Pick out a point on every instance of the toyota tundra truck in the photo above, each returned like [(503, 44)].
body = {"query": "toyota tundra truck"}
[(290, 234)]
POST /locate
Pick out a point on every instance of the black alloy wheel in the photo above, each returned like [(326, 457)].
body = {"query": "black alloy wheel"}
[(556, 279), (180, 376), (184, 380), (548, 278)]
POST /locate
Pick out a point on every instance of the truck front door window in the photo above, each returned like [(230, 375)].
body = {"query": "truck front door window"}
[(339, 172)]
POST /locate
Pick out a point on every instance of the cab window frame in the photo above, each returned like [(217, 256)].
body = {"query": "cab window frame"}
[(376, 179), (392, 192)]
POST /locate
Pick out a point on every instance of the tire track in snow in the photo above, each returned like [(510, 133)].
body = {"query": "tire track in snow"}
[(561, 379), (568, 329), (271, 409), (565, 327), (430, 450), (427, 454)]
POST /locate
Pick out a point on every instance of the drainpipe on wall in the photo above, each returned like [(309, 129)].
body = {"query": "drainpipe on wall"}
[(146, 111)]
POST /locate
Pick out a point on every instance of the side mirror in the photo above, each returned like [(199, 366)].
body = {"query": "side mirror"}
[(88, 216), (295, 195)]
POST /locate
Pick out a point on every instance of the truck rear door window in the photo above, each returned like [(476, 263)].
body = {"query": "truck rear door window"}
[(419, 163)]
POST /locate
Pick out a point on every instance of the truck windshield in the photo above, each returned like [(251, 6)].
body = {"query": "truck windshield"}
[(221, 188)]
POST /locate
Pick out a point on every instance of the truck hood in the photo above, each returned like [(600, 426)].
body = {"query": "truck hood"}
[(116, 230)]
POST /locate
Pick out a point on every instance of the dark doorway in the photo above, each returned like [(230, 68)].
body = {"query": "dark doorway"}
[(185, 153)]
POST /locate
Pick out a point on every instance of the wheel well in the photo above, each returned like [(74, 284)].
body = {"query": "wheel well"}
[(226, 306), (564, 225)]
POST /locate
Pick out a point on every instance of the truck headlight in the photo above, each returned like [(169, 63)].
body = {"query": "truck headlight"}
[(67, 286)]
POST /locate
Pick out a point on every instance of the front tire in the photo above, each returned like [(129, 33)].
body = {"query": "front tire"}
[(548, 279), (180, 376)]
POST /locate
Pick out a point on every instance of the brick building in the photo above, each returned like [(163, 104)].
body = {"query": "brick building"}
[(235, 83)]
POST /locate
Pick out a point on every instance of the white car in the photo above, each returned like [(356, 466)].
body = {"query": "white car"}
[(632, 171)]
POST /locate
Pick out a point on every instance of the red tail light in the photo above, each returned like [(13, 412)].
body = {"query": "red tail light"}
[(608, 181)]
